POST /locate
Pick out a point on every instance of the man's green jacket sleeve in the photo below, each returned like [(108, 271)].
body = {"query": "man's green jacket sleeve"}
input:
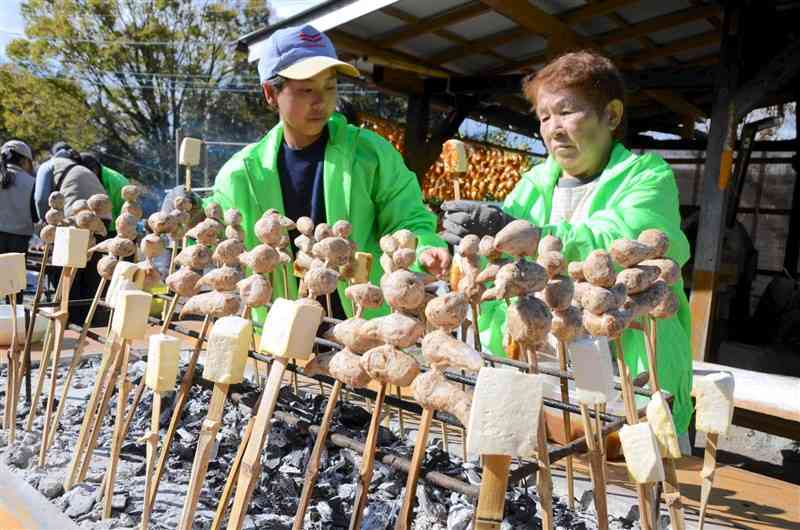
[(398, 199)]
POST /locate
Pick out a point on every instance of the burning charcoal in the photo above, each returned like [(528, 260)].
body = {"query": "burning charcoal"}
[(351, 416)]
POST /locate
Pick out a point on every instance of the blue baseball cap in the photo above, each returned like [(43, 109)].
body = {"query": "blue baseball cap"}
[(300, 53)]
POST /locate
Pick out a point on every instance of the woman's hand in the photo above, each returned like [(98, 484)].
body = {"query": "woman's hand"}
[(472, 217), (436, 261)]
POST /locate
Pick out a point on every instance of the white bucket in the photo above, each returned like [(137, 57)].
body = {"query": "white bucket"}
[(5, 326)]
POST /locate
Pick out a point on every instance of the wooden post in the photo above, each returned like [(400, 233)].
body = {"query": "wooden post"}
[(716, 180), (312, 467), (406, 511), (205, 446), (367, 460), (180, 401), (792, 254), (567, 418)]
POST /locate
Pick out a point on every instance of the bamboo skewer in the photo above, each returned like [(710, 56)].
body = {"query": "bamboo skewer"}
[(60, 320), (492, 497), (151, 438), (367, 461), (312, 467), (180, 401), (10, 412), (45, 359), (544, 478), (87, 434), (248, 471), (672, 492), (205, 445), (593, 440), (37, 297), (76, 359), (123, 385), (566, 415), (645, 505), (707, 474), (233, 474), (407, 509)]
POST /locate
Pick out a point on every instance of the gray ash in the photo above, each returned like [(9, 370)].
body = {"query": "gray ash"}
[(284, 460)]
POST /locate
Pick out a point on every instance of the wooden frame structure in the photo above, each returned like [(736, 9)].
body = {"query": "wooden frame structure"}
[(682, 65)]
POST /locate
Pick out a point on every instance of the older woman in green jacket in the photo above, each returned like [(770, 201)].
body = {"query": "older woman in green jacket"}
[(590, 192)]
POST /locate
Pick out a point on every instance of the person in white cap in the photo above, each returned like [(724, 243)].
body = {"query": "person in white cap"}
[(17, 209), (315, 164)]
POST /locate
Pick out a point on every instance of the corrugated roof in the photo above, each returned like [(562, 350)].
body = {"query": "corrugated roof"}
[(463, 37)]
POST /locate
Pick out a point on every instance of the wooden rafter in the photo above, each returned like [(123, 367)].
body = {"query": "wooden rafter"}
[(529, 17), (679, 45), (537, 21), (677, 103), (689, 112), (484, 45), (488, 43), (442, 33), (653, 25), (385, 57), (430, 24)]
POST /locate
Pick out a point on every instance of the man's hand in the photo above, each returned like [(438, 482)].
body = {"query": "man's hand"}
[(472, 217), (436, 261)]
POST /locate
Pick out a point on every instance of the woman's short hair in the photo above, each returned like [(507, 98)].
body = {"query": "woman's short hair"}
[(591, 73)]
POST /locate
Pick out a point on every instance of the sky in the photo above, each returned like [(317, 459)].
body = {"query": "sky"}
[(11, 24)]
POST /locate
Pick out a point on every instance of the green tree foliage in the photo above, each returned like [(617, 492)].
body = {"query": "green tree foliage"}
[(42, 111), (149, 67)]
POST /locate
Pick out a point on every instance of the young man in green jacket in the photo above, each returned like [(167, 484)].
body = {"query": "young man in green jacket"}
[(590, 192), (313, 163)]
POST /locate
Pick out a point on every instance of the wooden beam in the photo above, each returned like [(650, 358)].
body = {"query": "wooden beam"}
[(539, 22), (652, 25), (443, 33), (486, 44), (677, 104), (378, 55), (677, 46), (428, 25), (483, 45), (716, 179), (592, 10)]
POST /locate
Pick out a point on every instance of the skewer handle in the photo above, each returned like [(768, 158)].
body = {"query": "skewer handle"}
[(406, 511), (707, 473), (492, 496), (368, 460), (312, 467)]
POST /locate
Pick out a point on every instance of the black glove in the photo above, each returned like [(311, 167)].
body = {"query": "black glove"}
[(472, 217)]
